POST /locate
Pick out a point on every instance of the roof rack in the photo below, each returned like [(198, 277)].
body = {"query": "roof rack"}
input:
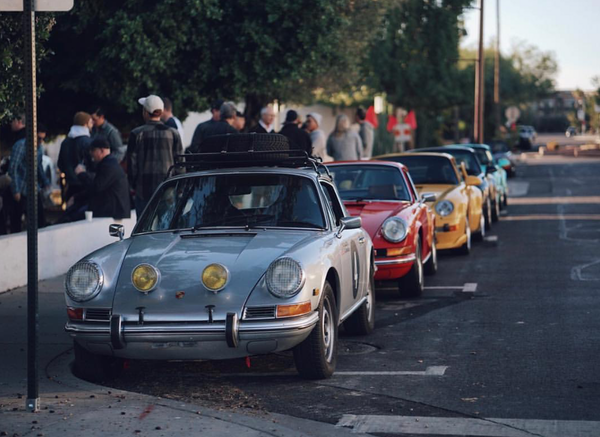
[(249, 158)]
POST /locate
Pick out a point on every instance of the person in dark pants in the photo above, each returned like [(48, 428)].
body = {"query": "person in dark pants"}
[(107, 193), (298, 138)]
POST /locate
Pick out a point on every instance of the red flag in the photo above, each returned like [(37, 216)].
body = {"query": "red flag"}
[(392, 121), (372, 117), (411, 120)]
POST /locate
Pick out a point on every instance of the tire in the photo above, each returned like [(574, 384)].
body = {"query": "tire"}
[(431, 266), (504, 201), (496, 210), (93, 367), (316, 356), (246, 142), (411, 284), (480, 235), (362, 321), (465, 249), (488, 214)]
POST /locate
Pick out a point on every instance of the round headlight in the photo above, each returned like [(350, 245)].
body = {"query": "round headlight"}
[(285, 277), (444, 208), (84, 281), (215, 277), (394, 229), (145, 277)]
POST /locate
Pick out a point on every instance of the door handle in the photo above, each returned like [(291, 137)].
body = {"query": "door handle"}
[(361, 240)]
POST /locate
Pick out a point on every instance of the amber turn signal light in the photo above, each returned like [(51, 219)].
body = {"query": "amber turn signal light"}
[(75, 313), (293, 310)]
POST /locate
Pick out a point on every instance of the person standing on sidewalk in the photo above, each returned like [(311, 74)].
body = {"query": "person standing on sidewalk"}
[(265, 124), (317, 136), (169, 119), (366, 133), (199, 133), (298, 138), (103, 128), (75, 150), (151, 151), (343, 144)]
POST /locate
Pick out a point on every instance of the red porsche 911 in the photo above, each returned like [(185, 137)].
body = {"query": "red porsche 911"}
[(399, 222)]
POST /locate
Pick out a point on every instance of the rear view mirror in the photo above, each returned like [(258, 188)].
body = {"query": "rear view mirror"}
[(116, 230), (428, 197), (348, 223)]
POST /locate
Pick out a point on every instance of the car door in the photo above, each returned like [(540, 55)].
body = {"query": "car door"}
[(352, 242)]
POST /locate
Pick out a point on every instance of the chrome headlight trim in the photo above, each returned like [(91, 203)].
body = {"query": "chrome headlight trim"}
[(389, 229), (70, 277), (157, 277), (444, 208), (296, 285)]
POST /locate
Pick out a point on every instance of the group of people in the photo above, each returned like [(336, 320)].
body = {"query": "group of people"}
[(93, 158)]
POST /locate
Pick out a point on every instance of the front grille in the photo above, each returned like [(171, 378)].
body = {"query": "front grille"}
[(259, 312), (97, 314)]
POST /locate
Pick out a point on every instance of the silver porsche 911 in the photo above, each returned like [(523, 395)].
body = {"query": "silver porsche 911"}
[(226, 263)]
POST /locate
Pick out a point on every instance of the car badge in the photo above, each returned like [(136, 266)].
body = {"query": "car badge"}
[(180, 294)]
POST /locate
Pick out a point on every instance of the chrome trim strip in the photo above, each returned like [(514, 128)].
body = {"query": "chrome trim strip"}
[(401, 260)]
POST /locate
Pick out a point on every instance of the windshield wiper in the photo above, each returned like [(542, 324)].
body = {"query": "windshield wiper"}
[(244, 221)]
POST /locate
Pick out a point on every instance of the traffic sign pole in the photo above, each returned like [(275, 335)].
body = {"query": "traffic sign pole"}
[(33, 398)]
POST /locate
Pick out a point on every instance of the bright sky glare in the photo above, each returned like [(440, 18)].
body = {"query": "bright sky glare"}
[(569, 28)]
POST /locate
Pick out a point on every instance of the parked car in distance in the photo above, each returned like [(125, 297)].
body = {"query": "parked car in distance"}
[(527, 137), (401, 225), (504, 156), (247, 253), (458, 204)]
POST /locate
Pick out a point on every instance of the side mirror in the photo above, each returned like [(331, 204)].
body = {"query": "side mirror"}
[(348, 223), (490, 169), (116, 230), (472, 180), (428, 197)]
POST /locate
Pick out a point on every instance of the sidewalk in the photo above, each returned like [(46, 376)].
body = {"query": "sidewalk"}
[(70, 406)]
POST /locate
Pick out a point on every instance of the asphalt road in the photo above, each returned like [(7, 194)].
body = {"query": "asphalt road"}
[(518, 356)]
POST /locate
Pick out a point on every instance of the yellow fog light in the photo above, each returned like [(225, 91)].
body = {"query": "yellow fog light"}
[(145, 277), (293, 310), (215, 277)]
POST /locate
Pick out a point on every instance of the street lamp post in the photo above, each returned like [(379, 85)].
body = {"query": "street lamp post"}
[(497, 71), (479, 84)]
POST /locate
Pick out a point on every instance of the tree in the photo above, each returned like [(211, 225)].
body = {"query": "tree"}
[(110, 53), (12, 60), (414, 58)]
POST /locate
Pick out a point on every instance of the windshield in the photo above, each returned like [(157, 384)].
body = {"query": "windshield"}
[(469, 158), (234, 200), (428, 169), (375, 182), (483, 157)]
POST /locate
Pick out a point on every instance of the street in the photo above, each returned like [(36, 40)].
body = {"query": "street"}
[(508, 335)]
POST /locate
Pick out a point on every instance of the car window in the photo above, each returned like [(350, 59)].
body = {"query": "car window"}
[(234, 200), (484, 157), (428, 169), (338, 209), (375, 182), (469, 158)]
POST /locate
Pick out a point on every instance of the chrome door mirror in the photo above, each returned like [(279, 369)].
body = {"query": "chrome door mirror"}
[(348, 223), (116, 230), (490, 169), (428, 197)]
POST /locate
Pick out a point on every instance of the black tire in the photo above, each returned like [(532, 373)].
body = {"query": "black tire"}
[(411, 284), (480, 235), (488, 214), (431, 266), (496, 210), (465, 249), (247, 142), (316, 356), (362, 321), (93, 367), (504, 201)]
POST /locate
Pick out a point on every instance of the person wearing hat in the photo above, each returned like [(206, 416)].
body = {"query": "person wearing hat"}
[(151, 151), (317, 136), (75, 150), (298, 138), (106, 193), (202, 128)]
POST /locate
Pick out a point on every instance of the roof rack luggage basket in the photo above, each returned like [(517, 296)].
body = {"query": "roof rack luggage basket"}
[(245, 150)]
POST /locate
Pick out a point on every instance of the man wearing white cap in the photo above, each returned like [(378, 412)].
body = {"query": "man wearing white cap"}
[(151, 151), (317, 136)]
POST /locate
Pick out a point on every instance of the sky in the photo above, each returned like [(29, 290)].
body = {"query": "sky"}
[(569, 28)]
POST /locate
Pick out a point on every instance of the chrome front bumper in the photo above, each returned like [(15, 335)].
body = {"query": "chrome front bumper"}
[(396, 261), (191, 340)]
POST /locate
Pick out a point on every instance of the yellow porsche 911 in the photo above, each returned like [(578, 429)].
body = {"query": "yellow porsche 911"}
[(458, 204)]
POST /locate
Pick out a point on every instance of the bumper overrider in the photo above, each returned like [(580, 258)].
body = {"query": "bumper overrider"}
[(231, 338)]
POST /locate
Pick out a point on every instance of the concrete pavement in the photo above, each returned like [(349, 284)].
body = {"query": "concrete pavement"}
[(70, 406)]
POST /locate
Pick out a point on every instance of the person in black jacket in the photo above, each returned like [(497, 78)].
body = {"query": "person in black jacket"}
[(107, 193), (74, 150), (299, 139)]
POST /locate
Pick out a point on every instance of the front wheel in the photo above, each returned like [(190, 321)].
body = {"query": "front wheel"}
[(411, 284), (431, 266), (465, 249), (480, 234), (316, 356), (496, 210)]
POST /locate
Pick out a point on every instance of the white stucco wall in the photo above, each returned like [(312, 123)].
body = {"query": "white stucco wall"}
[(59, 247)]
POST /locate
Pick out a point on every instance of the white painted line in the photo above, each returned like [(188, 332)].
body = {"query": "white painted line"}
[(430, 371), (445, 288), (517, 188), (470, 287), (469, 427), (491, 239)]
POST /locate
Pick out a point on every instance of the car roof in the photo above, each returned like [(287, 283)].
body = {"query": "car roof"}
[(369, 162), (433, 154), (457, 147), (303, 171)]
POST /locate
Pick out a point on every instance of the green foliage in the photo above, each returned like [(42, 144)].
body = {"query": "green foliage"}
[(12, 61)]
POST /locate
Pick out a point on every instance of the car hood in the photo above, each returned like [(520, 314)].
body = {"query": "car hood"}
[(373, 214), (181, 259)]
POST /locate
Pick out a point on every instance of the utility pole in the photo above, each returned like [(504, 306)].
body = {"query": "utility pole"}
[(497, 72), (479, 84)]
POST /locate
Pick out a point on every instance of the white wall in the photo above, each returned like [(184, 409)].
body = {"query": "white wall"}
[(59, 247)]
